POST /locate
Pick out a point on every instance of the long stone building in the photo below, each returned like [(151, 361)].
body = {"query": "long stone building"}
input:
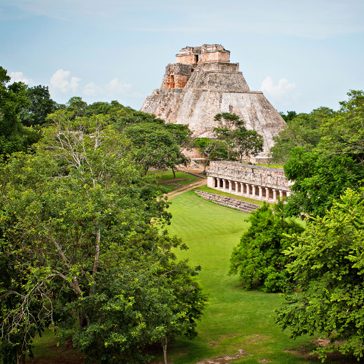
[(203, 83), (260, 183)]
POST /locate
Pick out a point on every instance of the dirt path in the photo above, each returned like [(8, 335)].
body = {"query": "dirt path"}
[(185, 189)]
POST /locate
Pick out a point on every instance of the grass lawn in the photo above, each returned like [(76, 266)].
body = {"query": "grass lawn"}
[(234, 319), (166, 179), (225, 194), (271, 165)]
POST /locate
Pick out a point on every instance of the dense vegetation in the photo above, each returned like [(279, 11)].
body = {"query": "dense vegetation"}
[(83, 245), (233, 141), (258, 258), (326, 261), (84, 248), (323, 153)]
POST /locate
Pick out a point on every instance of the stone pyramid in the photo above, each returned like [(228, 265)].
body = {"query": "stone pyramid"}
[(203, 83)]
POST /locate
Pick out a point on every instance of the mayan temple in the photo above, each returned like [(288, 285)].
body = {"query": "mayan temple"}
[(203, 83)]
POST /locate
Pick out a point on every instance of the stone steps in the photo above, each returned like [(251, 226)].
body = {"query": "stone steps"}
[(229, 202)]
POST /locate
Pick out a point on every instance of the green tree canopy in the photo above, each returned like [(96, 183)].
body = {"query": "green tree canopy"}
[(258, 258), (327, 262), (39, 107), (154, 146), (239, 141), (302, 130), (78, 241), (13, 99), (323, 173)]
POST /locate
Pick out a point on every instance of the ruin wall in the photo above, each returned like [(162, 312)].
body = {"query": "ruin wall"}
[(254, 175)]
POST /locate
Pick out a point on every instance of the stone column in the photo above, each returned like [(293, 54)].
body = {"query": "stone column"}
[(281, 194), (288, 194), (230, 185), (274, 195), (241, 188), (223, 184), (247, 189), (260, 193), (266, 193), (253, 191)]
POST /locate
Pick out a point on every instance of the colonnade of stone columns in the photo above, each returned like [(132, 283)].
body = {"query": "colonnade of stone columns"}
[(249, 190)]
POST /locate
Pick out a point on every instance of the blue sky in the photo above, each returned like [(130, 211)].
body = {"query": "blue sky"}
[(301, 54)]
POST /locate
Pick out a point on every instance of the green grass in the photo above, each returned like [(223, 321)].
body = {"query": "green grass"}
[(271, 165), (47, 351), (234, 319), (225, 194), (166, 179)]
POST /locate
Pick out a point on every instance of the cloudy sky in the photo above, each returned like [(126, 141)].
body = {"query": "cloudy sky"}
[(301, 54)]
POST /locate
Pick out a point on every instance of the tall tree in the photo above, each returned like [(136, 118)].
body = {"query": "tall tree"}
[(13, 135), (322, 174), (327, 262), (258, 258), (154, 146), (238, 140), (77, 231), (39, 107), (302, 130)]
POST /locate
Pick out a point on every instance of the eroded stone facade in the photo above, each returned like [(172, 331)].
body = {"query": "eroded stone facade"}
[(261, 183), (203, 83)]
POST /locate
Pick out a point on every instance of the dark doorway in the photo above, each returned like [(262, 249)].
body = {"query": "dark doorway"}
[(196, 58)]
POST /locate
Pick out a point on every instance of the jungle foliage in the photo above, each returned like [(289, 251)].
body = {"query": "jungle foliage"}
[(238, 140), (258, 258), (78, 245), (326, 261), (322, 174)]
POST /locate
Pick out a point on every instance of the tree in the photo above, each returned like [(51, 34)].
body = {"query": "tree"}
[(289, 116), (77, 106), (258, 258), (319, 180), (13, 135), (154, 146), (327, 262), (238, 140), (39, 107), (212, 149), (344, 132), (76, 224), (302, 130)]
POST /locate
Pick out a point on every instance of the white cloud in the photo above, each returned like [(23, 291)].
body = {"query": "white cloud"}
[(19, 77), (92, 90), (115, 87), (283, 93), (112, 89), (61, 81)]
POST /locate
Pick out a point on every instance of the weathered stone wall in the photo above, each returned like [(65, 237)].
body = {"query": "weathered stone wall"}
[(176, 76), (204, 54), (254, 175), (227, 201)]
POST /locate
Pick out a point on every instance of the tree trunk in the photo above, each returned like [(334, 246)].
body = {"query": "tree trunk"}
[(82, 320), (21, 359), (174, 173), (164, 345)]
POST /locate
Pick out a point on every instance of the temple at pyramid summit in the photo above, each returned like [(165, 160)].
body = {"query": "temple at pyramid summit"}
[(203, 83)]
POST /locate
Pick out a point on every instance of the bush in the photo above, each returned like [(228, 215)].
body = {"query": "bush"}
[(327, 263), (258, 258)]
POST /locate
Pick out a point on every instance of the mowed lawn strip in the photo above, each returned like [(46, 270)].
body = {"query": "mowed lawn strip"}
[(234, 319)]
